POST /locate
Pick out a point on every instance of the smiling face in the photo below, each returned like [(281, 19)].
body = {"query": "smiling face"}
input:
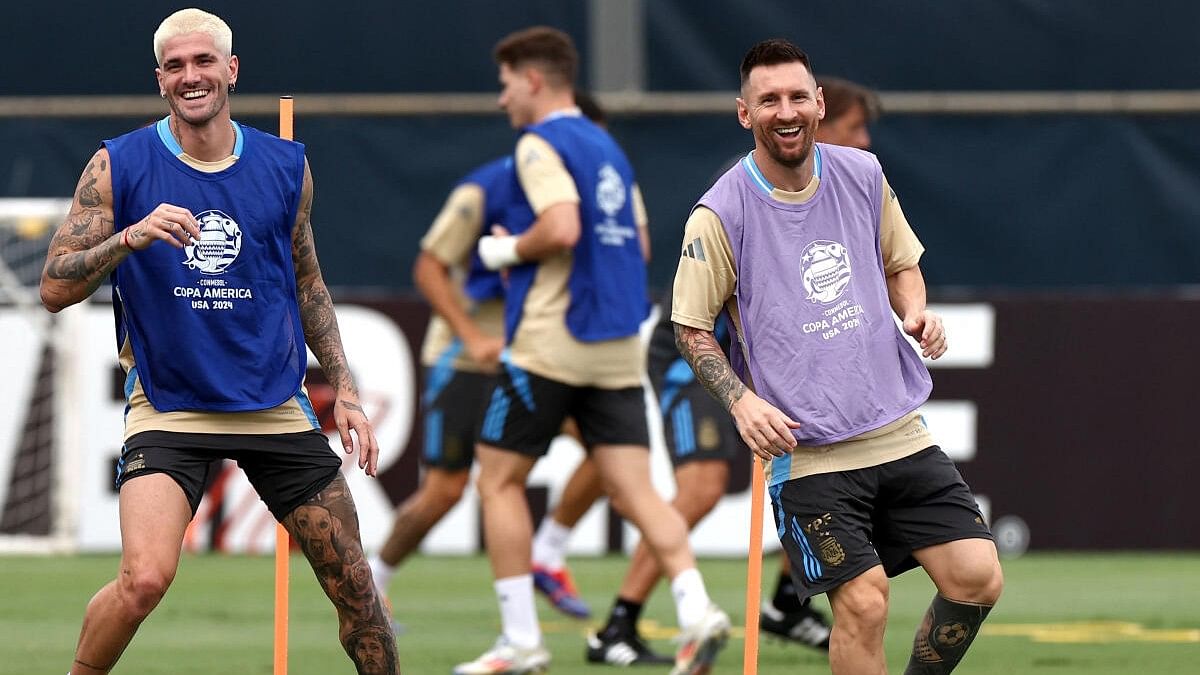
[(782, 105), (194, 78)]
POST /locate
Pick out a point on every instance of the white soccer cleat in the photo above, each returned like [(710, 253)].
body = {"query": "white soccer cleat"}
[(507, 659), (700, 643)]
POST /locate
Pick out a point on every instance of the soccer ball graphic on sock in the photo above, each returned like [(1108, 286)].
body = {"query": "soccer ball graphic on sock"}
[(219, 244)]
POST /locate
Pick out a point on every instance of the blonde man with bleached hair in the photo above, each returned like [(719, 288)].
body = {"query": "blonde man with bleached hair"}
[(192, 20), (203, 227)]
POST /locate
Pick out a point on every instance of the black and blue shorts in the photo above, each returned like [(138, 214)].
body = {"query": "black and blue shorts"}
[(695, 426), (526, 411), (285, 469), (835, 526), (451, 407)]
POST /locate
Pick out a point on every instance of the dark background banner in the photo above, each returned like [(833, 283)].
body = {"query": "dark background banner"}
[(998, 201), (1027, 201), (78, 47), (1086, 423)]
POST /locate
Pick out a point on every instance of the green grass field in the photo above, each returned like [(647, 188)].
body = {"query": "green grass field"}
[(1077, 614)]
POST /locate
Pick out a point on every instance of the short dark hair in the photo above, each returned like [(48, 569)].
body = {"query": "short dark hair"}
[(552, 49), (770, 53), (590, 107), (842, 95)]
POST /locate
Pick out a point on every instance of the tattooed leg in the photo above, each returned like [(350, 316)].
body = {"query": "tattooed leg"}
[(326, 528), (944, 636)]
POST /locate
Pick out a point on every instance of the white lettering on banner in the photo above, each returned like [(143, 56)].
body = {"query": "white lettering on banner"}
[(970, 332), (22, 356)]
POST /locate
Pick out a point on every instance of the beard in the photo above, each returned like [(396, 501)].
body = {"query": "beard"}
[(199, 118), (790, 158)]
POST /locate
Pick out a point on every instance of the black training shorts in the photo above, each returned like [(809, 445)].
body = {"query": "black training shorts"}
[(451, 407), (835, 526), (285, 469), (696, 427), (525, 412)]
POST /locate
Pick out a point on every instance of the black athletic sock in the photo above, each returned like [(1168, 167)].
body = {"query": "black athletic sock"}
[(786, 600), (944, 636), (623, 619)]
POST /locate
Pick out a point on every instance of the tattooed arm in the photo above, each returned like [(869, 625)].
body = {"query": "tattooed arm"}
[(764, 428), (86, 248), (323, 337), (703, 353)]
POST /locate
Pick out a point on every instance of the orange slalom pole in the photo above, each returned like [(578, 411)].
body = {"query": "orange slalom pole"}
[(283, 542), (754, 568)]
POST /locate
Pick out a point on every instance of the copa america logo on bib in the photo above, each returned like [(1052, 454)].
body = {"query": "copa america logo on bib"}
[(219, 244), (610, 191), (825, 270)]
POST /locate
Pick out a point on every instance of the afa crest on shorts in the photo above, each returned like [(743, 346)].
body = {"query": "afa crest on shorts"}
[(831, 551), (219, 244)]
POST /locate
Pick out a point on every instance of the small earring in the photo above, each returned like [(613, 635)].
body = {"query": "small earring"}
[(232, 86), (162, 94)]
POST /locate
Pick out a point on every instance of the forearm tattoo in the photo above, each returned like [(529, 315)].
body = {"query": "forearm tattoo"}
[(326, 529), (703, 353), (84, 250), (316, 306)]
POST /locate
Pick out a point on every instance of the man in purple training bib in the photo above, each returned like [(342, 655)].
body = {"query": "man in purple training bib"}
[(805, 246)]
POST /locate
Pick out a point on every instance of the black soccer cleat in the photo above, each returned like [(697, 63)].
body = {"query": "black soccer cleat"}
[(806, 626), (623, 650)]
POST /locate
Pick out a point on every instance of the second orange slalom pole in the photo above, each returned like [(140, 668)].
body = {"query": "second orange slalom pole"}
[(283, 542), (754, 568)]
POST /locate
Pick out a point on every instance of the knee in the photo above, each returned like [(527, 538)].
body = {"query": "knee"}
[(981, 583), (493, 487), (618, 500), (638, 505), (443, 494), (861, 605), (696, 504), (142, 588)]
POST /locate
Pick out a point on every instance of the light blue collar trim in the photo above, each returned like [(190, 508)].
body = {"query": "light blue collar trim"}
[(756, 175), (163, 127), (761, 181), (164, 134), (239, 141)]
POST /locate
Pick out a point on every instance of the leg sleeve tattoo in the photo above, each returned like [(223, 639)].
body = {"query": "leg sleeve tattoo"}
[(945, 633), (326, 528)]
